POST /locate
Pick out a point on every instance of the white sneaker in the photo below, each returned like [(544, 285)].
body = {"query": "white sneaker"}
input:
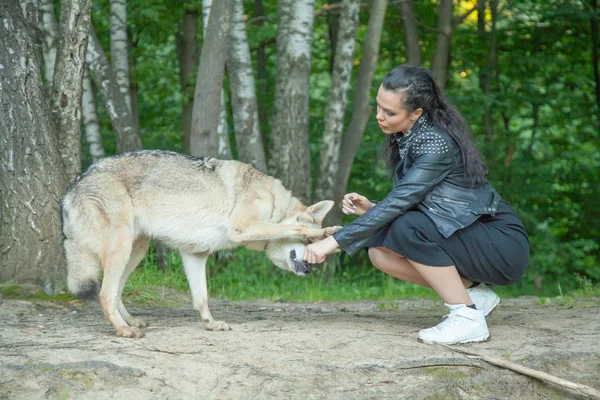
[(484, 298), (462, 325)]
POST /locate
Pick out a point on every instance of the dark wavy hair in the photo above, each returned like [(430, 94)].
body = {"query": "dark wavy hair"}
[(420, 90)]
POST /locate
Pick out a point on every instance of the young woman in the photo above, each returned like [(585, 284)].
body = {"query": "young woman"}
[(443, 225)]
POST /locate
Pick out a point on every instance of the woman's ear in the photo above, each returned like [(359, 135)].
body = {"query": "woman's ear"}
[(417, 113)]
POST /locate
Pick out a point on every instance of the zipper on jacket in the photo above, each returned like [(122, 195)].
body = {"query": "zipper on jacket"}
[(448, 200), (436, 212)]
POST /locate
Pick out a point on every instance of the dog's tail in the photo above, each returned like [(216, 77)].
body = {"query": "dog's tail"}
[(83, 268)]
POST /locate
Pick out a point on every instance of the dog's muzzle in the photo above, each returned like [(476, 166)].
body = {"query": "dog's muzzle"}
[(301, 267)]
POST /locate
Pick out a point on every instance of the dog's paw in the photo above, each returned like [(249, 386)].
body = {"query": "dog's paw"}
[(217, 326), (130, 332), (330, 230), (137, 322)]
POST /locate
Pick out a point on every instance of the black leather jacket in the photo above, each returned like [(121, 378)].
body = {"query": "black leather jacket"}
[(431, 179)]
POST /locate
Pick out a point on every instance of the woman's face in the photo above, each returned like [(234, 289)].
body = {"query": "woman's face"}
[(391, 114)]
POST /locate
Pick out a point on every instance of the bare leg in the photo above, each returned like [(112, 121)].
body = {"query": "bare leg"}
[(444, 280), (140, 247), (399, 267), (195, 270)]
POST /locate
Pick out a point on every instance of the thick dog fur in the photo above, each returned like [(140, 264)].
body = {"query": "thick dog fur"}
[(194, 205)]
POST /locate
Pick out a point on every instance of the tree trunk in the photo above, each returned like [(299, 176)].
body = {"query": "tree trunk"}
[(261, 66), (133, 85), (67, 81), (116, 108), (485, 76), (336, 103), (289, 152), (204, 139), (50, 35), (119, 44), (361, 107), (224, 147), (333, 28), (594, 33), (248, 139), (90, 119), (187, 46), (439, 65), (32, 178), (411, 34)]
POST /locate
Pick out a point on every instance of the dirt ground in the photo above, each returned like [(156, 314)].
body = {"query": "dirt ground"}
[(363, 350)]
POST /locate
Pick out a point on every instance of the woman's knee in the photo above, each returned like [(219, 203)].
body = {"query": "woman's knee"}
[(380, 256), (375, 256)]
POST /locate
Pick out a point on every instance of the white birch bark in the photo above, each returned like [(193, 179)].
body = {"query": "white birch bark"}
[(361, 108), (248, 139), (74, 25), (289, 152), (119, 47), (204, 140), (50, 34), (104, 78), (336, 103), (90, 119), (224, 147)]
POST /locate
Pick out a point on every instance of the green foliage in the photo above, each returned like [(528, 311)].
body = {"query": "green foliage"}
[(542, 152)]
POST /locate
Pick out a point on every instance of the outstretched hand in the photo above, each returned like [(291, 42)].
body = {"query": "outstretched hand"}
[(354, 203), (315, 252)]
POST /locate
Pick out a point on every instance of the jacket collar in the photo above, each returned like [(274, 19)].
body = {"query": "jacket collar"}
[(421, 124)]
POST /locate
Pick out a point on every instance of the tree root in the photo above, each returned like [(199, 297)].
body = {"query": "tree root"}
[(578, 388)]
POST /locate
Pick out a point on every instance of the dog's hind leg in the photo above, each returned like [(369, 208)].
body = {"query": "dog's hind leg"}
[(116, 255), (195, 269), (139, 249)]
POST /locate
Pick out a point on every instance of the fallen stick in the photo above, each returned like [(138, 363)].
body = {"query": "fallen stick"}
[(576, 387)]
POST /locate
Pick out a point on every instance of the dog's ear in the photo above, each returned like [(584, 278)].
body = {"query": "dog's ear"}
[(319, 210)]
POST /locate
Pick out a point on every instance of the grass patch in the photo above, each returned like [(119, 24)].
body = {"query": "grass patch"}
[(248, 275)]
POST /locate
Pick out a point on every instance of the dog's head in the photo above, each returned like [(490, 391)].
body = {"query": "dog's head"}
[(288, 254)]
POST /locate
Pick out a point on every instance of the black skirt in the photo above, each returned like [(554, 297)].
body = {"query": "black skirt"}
[(493, 250)]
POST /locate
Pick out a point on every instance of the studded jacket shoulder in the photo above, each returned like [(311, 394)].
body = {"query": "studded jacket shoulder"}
[(429, 177)]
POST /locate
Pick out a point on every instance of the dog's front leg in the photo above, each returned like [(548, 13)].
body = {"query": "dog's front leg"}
[(249, 231), (195, 270)]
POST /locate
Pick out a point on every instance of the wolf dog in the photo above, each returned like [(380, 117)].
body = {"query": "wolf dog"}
[(195, 205)]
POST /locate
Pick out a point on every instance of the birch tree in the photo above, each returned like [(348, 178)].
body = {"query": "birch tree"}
[(104, 79), (32, 178), (204, 139), (119, 47), (362, 97), (67, 81), (90, 119), (336, 103), (289, 152), (224, 147), (243, 93)]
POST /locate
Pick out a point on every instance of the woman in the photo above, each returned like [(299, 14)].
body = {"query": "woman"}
[(443, 225)]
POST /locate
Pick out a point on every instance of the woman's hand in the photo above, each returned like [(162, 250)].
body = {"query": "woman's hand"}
[(315, 252), (354, 203)]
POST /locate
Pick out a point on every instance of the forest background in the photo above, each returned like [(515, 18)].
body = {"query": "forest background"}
[(297, 82)]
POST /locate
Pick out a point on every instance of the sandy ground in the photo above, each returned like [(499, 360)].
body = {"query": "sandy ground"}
[(361, 350)]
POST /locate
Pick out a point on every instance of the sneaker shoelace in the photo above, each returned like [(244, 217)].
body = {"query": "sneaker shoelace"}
[(450, 320)]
